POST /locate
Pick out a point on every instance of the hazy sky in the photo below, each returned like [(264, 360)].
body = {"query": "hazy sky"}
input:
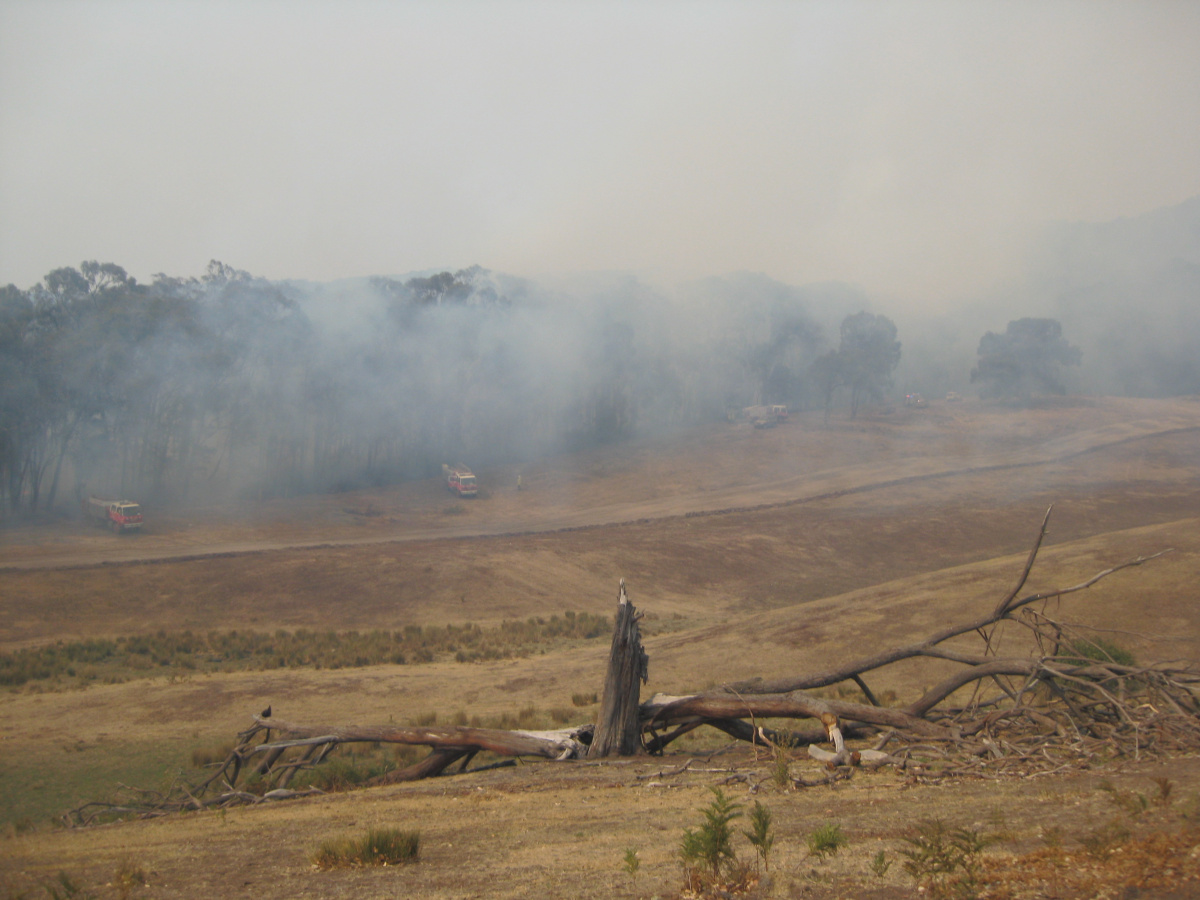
[(907, 147)]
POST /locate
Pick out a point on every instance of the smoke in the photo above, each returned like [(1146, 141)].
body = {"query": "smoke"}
[(193, 389)]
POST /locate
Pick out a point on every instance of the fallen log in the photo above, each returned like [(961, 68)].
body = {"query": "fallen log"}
[(563, 744), (661, 710)]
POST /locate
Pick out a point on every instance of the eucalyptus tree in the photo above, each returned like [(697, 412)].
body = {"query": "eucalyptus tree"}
[(1027, 358), (869, 354)]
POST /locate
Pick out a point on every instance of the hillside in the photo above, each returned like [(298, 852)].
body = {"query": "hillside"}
[(752, 552)]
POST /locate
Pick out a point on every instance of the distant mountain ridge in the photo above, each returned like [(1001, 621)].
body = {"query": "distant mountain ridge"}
[(1128, 293)]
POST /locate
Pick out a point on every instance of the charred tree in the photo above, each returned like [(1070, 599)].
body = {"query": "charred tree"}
[(619, 725)]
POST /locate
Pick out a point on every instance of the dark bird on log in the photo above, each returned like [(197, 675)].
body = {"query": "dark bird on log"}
[(266, 713)]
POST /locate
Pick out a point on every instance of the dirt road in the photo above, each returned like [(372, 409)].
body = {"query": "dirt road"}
[(738, 468)]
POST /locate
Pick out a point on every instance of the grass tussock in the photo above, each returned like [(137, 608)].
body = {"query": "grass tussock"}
[(1098, 649), (827, 840), (178, 654), (377, 847)]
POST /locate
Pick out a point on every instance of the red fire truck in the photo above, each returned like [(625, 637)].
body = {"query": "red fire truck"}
[(119, 515), (459, 480)]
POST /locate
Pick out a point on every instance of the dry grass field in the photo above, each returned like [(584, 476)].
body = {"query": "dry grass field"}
[(752, 552)]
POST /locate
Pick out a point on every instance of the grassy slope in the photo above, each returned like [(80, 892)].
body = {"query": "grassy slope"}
[(768, 592)]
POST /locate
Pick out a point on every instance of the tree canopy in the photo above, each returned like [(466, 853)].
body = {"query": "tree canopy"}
[(228, 385), (1026, 359), (864, 361)]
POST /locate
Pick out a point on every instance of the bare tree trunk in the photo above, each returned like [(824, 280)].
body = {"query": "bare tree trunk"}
[(618, 726)]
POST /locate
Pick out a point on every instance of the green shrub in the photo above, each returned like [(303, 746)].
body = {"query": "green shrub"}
[(711, 845), (946, 862), (1133, 802), (880, 864), (378, 847), (760, 835), (826, 840), (781, 761), (632, 863), (1104, 841)]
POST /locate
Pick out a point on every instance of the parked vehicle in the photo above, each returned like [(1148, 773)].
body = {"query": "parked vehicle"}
[(914, 400), (953, 397), (764, 416), (119, 515), (459, 480)]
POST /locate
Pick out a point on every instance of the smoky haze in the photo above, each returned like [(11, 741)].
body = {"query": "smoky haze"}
[(489, 232), (230, 385), (912, 148)]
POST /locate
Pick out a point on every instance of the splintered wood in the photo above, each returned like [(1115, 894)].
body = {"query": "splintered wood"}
[(618, 727)]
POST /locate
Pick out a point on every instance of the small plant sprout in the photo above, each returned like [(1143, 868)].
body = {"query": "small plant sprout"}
[(880, 864), (64, 888), (1165, 786), (128, 876), (711, 845), (945, 862), (632, 863), (1132, 802), (826, 840), (760, 835), (781, 760)]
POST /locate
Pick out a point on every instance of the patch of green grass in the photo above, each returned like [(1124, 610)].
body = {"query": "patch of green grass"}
[(378, 847), (177, 655), (37, 789), (203, 757), (1098, 649)]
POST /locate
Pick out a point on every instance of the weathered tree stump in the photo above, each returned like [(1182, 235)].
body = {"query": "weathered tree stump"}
[(618, 725)]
